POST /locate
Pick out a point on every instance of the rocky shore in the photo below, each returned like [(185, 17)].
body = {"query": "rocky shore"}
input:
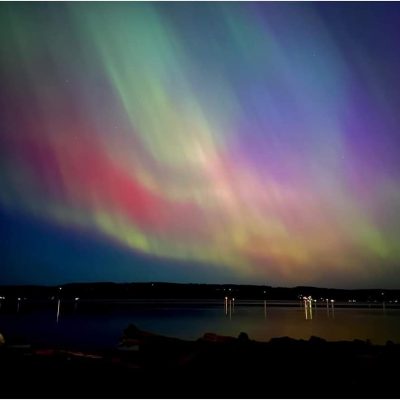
[(147, 365)]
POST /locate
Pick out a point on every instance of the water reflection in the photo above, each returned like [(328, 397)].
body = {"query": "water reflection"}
[(231, 307), (76, 304), (103, 323), (58, 309), (308, 302)]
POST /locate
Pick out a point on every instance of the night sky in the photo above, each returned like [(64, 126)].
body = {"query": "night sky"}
[(200, 142)]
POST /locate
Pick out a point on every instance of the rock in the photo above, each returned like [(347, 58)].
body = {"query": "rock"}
[(214, 338), (131, 331), (316, 340), (284, 340), (243, 337), (361, 343)]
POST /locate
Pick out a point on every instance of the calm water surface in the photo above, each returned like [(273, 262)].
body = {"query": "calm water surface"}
[(94, 326)]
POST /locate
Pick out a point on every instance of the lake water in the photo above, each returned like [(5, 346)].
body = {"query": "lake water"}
[(101, 325)]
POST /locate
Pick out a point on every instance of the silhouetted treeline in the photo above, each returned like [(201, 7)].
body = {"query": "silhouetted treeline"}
[(160, 290)]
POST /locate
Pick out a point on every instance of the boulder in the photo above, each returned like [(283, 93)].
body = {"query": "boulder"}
[(214, 338), (243, 337)]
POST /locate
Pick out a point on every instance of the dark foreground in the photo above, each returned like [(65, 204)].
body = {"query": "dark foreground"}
[(152, 366)]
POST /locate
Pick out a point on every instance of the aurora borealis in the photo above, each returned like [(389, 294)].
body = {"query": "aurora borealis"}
[(254, 141)]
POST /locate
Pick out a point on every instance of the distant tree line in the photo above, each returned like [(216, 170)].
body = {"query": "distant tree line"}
[(162, 290)]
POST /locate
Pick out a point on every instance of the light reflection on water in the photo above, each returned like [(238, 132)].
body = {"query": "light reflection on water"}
[(98, 326)]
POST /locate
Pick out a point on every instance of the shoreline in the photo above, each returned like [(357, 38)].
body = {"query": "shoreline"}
[(240, 366)]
